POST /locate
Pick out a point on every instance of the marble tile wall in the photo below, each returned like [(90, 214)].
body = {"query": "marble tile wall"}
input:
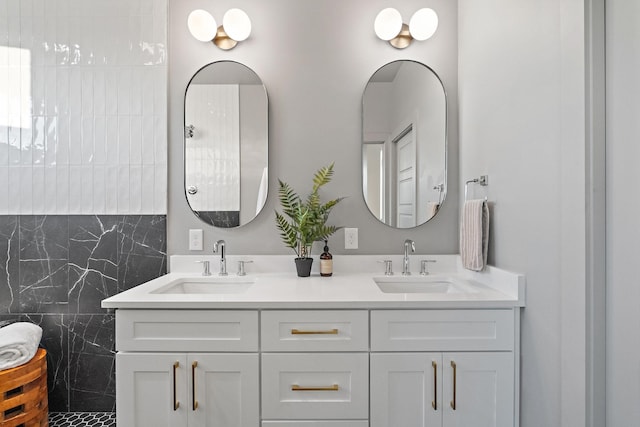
[(55, 270), (83, 107)]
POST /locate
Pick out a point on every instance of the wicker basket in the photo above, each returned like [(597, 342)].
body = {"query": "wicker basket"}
[(23, 394)]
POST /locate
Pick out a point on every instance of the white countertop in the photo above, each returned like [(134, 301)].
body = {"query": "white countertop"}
[(276, 285)]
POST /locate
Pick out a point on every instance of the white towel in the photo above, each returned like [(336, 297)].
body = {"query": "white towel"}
[(18, 344), (474, 234)]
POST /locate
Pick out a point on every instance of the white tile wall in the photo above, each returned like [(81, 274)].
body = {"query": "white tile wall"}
[(83, 107)]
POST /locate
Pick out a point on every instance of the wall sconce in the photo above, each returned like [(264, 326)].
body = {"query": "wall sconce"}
[(389, 26), (236, 27)]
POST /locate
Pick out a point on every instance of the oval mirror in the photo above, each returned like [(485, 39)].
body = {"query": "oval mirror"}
[(226, 144), (404, 144)]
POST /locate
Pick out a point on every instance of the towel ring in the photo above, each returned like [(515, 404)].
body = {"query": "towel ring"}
[(483, 180)]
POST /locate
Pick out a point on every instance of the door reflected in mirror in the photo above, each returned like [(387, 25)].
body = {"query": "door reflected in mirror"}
[(226, 144), (404, 144)]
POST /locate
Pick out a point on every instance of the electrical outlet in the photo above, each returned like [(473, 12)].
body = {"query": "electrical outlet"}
[(351, 238), (195, 240)]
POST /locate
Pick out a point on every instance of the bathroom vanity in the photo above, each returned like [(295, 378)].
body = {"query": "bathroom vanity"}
[(358, 349)]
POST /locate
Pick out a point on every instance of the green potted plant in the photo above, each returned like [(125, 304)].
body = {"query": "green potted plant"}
[(304, 221)]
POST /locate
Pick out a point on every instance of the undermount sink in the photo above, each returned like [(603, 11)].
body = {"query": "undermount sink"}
[(423, 285), (206, 285)]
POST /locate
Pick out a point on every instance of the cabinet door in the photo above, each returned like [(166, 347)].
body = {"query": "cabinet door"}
[(223, 390), (151, 390), (406, 390), (479, 389)]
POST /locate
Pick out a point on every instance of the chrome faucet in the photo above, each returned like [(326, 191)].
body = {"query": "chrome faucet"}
[(220, 245), (406, 271)]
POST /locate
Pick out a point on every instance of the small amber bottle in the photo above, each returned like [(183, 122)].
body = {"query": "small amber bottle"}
[(326, 262)]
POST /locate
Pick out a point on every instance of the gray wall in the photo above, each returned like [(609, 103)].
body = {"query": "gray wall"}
[(315, 59), (522, 122), (623, 210)]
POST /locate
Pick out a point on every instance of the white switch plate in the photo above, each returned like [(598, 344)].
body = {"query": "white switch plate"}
[(351, 238), (195, 240)]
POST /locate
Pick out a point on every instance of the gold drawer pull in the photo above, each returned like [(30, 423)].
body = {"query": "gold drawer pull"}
[(176, 404), (194, 403), (296, 387), (453, 402), (434, 402), (327, 332)]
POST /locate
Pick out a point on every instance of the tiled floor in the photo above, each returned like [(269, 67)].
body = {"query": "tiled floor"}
[(82, 419)]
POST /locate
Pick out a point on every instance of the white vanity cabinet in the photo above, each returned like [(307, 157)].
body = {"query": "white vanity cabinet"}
[(187, 368), (415, 381), (270, 367)]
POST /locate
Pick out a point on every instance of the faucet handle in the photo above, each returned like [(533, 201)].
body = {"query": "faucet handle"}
[(423, 266), (388, 267), (206, 267), (241, 264)]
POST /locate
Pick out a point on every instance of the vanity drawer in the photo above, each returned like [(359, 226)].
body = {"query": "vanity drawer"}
[(308, 386), (195, 330), (315, 330), (442, 330)]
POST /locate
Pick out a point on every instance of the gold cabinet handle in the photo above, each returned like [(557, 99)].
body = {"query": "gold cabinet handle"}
[(194, 402), (434, 403), (176, 404), (296, 387), (453, 402), (327, 332)]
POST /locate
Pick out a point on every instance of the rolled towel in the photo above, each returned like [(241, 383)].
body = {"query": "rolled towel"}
[(474, 234), (18, 344)]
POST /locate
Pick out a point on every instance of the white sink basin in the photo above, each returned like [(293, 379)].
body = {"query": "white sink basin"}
[(206, 285), (423, 285)]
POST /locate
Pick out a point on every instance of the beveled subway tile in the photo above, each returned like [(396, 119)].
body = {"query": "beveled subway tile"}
[(87, 91), (51, 140), (75, 190), (124, 140), (123, 189), (111, 84), (111, 199), (135, 188), (87, 189), (148, 189), (26, 189), (99, 188), (4, 190), (62, 189), (160, 190), (135, 149), (62, 89), (99, 92), (38, 192), (14, 190), (147, 140), (87, 139), (51, 188)]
